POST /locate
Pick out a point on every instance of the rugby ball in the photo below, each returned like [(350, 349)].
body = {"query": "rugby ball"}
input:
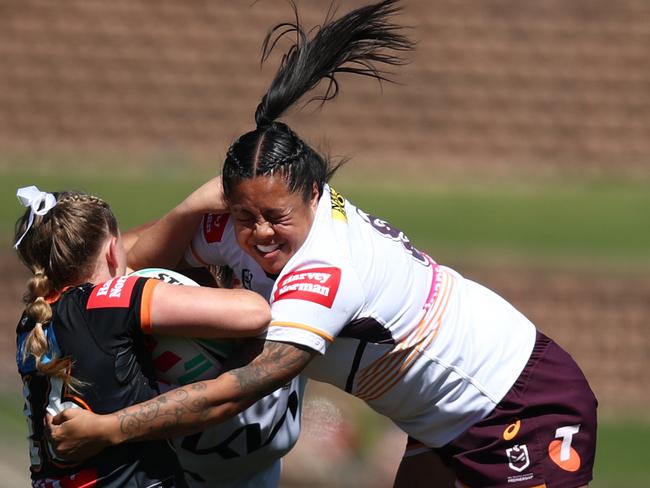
[(183, 360)]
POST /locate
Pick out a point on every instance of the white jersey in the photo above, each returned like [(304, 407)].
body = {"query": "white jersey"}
[(419, 343), (245, 450), (246, 446)]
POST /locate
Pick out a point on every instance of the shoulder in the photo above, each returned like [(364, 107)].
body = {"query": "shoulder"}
[(316, 283), (214, 241), (213, 227), (330, 283), (115, 293)]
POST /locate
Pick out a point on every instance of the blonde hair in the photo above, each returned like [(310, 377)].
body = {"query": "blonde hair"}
[(60, 249)]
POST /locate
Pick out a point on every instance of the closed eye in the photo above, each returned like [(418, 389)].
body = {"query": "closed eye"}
[(278, 219), (245, 219)]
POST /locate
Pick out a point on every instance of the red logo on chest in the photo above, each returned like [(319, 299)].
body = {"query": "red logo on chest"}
[(113, 293), (318, 285), (214, 226)]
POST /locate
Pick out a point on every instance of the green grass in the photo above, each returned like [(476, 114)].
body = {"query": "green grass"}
[(622, 455), (135, 197), (593, 221), (596, 222), (14, 456)]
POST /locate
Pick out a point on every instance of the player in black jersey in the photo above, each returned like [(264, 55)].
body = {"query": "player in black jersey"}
[(80, 340)]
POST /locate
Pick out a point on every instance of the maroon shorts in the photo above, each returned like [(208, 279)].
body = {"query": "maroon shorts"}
[(543, 432)]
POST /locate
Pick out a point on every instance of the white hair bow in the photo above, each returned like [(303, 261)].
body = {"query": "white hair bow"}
[(40, 203)]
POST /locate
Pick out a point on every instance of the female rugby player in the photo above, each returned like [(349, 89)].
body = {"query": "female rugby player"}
[(81, 338), (355, 304)]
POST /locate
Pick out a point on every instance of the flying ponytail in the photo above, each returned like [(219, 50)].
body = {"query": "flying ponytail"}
[(355, 43), (351, 44)]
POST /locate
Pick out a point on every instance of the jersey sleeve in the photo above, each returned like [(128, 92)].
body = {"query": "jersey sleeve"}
[(125, 300), (206, 246), (145, 305), (312, 304)]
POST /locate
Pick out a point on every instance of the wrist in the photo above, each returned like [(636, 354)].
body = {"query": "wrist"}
[(110, 429)]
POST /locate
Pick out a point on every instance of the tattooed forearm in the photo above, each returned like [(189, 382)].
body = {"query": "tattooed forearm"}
[(166, 413), (272, 368), (193, 407)]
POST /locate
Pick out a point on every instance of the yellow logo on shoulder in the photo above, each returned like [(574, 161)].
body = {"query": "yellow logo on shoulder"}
[(338, 206)]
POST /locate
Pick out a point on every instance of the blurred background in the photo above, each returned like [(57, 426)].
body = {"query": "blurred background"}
[(514, 146)]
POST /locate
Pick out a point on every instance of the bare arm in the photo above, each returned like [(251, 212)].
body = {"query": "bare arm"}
[(194, 311), (78, 434), (131, 236), (164, 242)]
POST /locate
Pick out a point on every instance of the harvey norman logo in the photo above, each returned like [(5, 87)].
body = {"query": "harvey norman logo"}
[(318, 285), (113, 293)]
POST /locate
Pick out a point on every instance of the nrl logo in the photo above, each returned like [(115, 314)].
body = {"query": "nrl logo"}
[(518, 459)]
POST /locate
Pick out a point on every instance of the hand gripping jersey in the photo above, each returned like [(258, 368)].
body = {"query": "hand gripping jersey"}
[(419, 343), (233, 452), (99, 327)]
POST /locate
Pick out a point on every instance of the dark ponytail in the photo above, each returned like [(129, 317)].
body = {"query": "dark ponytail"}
[(354, 43)]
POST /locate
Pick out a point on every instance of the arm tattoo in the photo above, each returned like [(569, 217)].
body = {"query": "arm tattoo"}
[(169, 408), (277, 364), (190, 408)]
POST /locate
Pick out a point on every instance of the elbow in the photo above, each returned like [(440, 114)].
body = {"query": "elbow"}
[(255, 315), (261, 318)]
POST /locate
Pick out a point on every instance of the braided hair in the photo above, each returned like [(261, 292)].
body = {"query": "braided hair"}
[(354, 43), (60, 249)]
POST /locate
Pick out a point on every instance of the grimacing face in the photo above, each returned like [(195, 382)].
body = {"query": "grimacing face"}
[(270, 222)]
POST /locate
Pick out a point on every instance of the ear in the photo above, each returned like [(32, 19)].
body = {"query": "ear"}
[(113, 253), (315, 197)]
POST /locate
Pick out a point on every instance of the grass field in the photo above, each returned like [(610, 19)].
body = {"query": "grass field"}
[(587, 223), (571, 222)]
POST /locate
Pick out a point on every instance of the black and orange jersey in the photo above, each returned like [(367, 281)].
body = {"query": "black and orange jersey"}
[(100, 328)]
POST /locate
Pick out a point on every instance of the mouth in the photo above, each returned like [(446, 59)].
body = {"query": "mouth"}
[(267, 249)]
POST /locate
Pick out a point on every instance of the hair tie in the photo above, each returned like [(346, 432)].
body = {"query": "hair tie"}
[(39, 202)]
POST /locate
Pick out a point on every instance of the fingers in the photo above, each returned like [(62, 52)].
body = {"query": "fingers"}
[(68, 434), (49, 425), (55, 433), (54, 420), (52, 425), (64, 416)]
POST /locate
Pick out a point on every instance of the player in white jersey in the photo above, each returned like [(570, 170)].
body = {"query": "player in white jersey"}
[(386, 302), (245, 451), (355, 304)]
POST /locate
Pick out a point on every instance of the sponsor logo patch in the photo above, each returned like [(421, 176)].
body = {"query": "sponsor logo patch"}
[(518, 459), (214, 226), (561, 452), (318, 285), (113, 293), (512, 430)]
